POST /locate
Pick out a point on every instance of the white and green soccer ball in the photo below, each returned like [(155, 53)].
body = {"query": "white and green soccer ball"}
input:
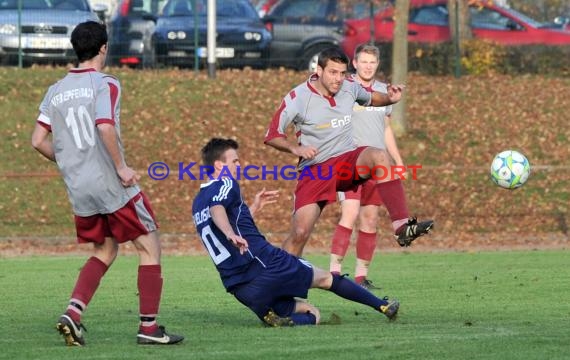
[(510, 169)]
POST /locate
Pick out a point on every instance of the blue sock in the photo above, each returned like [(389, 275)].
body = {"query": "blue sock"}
[(349, 290), (304, 319)]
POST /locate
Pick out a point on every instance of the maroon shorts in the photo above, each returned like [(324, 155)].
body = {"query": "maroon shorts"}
[(319, 183), (134, 219), (366, 193)]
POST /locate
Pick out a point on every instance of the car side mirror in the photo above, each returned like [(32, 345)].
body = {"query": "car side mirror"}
[(100, 10), (150, 17), (511, 25)]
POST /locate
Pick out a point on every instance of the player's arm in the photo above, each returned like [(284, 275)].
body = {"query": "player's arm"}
[(220, 218), (42, 142), (282, 144), (393, 96), (110, 139), (263, 198)]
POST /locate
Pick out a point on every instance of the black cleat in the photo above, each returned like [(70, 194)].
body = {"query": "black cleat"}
[(71, 331), (412, 230), (159, 337), (274, 320), (390, 309), (368, 285)]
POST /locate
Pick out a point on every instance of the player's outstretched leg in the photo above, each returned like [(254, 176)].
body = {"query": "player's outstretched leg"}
[(412, 230), (350, 290)]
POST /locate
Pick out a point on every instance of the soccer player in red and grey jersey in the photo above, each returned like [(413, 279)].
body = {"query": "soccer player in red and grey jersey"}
[(370, 127), (78, 127), (320, 110)]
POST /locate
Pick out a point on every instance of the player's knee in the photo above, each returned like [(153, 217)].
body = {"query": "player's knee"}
[(300, 234)]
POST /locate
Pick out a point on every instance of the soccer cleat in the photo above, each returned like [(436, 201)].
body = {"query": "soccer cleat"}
[(159, 337), (390, 309), (368, 285), (71, 331), (274, 320), (412, 230)]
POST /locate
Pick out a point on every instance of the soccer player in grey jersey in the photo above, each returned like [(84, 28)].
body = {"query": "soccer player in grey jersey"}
[(320, 110), (370, 127), (81, 112)]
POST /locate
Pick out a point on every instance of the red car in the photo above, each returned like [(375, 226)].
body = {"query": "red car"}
[(428, 23)]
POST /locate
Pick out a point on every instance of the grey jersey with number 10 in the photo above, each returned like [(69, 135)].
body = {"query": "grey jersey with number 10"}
[(71, 109), (368, 122)]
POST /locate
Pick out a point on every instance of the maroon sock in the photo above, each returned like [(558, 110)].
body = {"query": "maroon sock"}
[(85, 287), (150, 290), (341, 240), (365, 245), (359, 279), (394, 198)]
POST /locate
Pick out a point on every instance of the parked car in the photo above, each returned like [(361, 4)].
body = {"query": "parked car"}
[(302, 28), (46, 29), (130, 32), (428, 23), (241, 36)]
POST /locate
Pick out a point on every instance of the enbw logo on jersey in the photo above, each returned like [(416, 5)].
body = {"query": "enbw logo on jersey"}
[(335, 123)]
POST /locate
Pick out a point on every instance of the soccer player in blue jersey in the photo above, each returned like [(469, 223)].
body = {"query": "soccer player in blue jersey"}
[(266, 279)]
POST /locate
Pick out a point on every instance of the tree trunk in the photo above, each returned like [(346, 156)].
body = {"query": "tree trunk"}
[(400, 63), (464, 20)]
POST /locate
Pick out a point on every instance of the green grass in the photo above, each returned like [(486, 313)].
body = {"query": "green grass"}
[(491, 305)]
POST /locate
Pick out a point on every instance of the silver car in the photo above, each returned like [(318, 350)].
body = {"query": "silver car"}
[(46, 28)]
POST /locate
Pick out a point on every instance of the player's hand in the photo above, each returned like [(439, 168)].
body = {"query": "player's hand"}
[(239, 242), (129, 177), (395, 92), (263, 198), (306, 152)]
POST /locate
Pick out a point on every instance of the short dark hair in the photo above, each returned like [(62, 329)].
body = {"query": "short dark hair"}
[(333, 54), (87, 39), (214, 149)]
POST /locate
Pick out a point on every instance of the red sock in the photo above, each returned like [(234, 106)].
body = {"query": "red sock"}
[(394, 198), (359, 279), (85, 287), (341, 240), (365, 245), (150, 290)]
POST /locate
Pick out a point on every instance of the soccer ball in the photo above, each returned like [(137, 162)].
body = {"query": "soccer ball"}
[(510, 169)]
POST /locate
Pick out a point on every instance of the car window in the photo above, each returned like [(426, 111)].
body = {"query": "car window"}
[(483, 18), (224, 8), (45, 5), (146, 6), (304, 8), (430, 15)]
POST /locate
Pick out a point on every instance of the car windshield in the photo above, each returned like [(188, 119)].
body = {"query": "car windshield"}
[(224, 8), (532, 22), (45, 5)]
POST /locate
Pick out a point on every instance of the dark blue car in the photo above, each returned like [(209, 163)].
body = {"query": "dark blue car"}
[(241, 37)]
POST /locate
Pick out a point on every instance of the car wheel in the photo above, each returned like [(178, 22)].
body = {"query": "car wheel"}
[(311, 56)]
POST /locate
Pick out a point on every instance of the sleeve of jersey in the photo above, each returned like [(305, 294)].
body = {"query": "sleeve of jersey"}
[(43, 117), (106, 101), (226, 193), (362, 95), (282, 118)]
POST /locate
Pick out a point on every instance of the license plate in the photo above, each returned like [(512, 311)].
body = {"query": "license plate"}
[(220, 52), (48, 43)]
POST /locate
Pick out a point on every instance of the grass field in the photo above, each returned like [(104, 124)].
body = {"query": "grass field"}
[(488, 305)]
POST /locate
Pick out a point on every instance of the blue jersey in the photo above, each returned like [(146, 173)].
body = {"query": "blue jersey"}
[(234, 268)]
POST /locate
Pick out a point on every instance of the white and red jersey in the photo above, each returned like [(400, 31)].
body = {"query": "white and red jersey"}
[(320, 121), (368, 122), (71, 109)]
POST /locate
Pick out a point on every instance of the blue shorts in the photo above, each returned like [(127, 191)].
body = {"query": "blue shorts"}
[(284, 278)]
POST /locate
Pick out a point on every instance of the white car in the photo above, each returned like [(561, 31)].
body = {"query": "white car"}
[(46, 27)]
